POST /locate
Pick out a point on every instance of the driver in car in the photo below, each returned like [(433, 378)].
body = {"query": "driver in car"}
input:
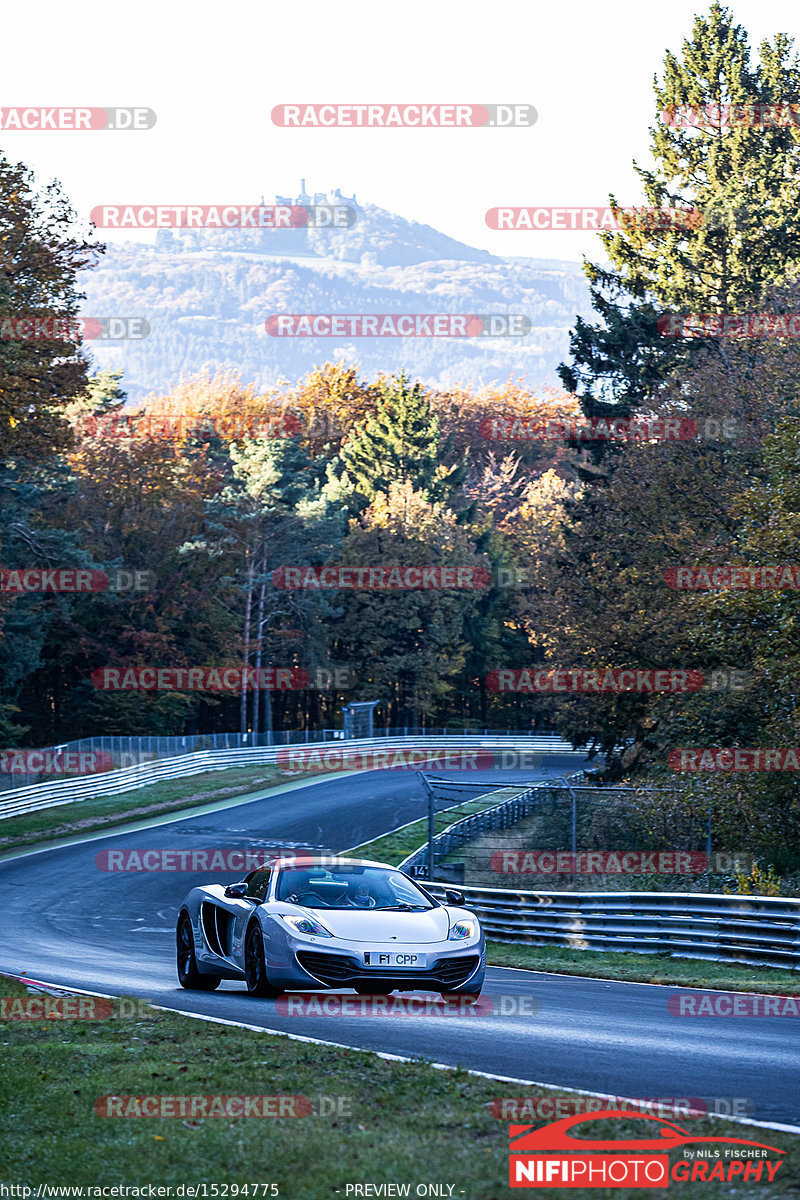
[(360, 896), (299, 885)]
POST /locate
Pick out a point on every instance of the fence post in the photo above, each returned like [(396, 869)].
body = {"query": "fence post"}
[(574, 839), (708, 837), (431, 829), (574, 828)]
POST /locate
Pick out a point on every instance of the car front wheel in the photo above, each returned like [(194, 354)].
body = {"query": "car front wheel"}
[(255, 966), (188, 974)]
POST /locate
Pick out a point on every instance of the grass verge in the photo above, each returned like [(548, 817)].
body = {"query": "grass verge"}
[(645, 968), (373, 1121), (170, 795)]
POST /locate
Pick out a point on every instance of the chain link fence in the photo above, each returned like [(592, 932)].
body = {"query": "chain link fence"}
[(580, 837)]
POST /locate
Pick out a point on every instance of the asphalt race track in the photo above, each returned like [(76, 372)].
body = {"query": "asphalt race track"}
[(67, 921)]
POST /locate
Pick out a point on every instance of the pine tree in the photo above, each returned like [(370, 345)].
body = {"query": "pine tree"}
[(399, 444), (743, 183), (104, 393)]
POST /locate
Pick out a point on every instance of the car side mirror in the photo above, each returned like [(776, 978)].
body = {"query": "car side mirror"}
[(236, 891), (453, 897)]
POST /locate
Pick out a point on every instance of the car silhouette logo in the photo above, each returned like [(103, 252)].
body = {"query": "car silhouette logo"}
[(527, 1138)]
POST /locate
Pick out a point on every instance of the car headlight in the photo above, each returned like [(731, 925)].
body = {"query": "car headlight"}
[(306, 925), (462, 930)]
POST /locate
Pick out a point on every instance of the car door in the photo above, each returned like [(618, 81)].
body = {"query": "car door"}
[(258, 886)]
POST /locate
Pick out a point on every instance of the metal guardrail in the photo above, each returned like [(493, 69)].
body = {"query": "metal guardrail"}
[(47, 795), (132, 751), (752, 930)]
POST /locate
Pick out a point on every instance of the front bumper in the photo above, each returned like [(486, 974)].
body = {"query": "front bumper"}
[(447, 973), (309, 964)]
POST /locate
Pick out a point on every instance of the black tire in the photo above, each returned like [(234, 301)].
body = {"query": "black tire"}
[(188, 974), (255, 966)]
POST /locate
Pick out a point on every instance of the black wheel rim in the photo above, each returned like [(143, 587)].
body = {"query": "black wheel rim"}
[(185, 948), (254, 968)]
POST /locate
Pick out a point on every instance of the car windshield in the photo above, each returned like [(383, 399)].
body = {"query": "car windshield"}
[(350, 887)]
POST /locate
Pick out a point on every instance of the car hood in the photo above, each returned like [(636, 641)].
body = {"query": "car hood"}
[(373, 926)]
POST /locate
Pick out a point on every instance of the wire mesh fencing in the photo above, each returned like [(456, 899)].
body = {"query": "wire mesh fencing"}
[(581, 837)]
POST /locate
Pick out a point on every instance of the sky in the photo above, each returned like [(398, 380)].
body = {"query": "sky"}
[(213, 74)]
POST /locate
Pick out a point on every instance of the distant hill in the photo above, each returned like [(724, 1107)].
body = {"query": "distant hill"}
[(207, 293)]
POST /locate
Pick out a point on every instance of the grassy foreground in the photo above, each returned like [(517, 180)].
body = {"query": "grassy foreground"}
[(170, 795), (373, 1121)]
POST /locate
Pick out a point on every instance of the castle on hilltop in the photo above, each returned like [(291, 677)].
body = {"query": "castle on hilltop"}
[(334, 197)]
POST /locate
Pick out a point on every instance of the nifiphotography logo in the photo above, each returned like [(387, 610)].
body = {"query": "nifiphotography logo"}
[(554, 1157)]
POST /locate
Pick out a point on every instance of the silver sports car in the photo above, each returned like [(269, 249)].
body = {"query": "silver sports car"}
[(332, 923)]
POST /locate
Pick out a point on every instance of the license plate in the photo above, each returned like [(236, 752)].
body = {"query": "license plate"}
[(379, 958)]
